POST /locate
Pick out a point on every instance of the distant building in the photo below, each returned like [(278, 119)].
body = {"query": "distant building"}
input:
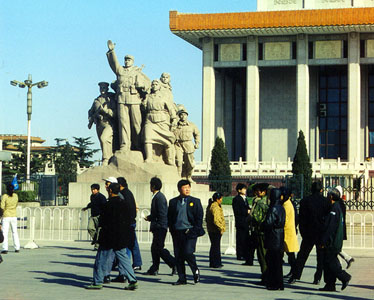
[(292, 65), (11, 142)]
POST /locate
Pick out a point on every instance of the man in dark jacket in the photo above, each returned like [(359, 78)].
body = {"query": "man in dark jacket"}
[(332, 243), (97, 202), (312, 213), (185, 219), (129, 197), (116, 235), (274, 241), (240, 206), (159, 228)]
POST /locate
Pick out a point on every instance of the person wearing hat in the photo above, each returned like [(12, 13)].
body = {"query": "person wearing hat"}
[(103, 114), (132, 87), (116, 235), (158, 124), (187, 141)]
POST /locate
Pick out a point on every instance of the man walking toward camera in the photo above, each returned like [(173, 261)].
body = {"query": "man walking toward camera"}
[(159, 228), (185, 219)]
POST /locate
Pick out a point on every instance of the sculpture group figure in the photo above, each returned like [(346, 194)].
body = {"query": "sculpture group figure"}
[(142, 116)]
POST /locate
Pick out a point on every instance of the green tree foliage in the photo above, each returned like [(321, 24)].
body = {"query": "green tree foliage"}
[(220, 172), (84, 153), (66, 166), (301, 164), (18, 163)]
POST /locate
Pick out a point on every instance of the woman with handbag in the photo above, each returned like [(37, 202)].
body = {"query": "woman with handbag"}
[(9, 203)]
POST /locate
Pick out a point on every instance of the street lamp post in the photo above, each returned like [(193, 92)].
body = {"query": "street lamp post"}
[(28, 83)]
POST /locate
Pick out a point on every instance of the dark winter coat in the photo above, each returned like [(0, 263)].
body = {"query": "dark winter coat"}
[(129, 198), (159, 212), (97, 202), (332, 238), (116, 231), (194, 213), (240, 208), (274, 223), (312, 213)]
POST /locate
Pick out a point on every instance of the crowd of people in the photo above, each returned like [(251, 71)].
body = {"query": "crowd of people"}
[(266, 222), (268, 225)]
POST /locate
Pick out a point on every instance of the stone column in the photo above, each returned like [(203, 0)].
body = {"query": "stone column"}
[(252, 127), (208, 128), (354, 97), (302, 88)]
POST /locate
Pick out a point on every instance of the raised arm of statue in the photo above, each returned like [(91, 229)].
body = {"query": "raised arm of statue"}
[(112, 58)]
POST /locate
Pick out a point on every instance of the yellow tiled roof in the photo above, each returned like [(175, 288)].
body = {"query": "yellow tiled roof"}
[(271, 19)]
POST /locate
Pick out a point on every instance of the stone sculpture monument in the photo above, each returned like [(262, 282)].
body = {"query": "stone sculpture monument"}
[(159, 124), (187, 140), (132, 86), (140, 127), (103, 114), (142, 134)]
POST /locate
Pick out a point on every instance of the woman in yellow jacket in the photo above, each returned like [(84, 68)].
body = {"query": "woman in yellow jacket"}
[(291, 245), (215, 223), (9, 203)]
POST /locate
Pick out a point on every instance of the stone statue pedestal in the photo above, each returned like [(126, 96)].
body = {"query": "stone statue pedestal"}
[(138, 174)]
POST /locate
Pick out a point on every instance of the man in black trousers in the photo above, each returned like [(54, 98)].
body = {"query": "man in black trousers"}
[(313, 210), (240, 206), (159, 228), (185, 219)]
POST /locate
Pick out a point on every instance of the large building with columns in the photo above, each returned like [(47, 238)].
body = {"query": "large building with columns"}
[(291, 65)]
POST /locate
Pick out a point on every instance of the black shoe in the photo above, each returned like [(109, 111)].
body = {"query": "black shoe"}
[(1, 259), (17, 251), (106, 279), (248, 263), (119, 278), (4, 252), (327, 289), (196, 277), (346, 282), (173, 270), (350, 262), (151, 273), (137, 268), (316, 281), (216, 267), (180, 282), (292, 280), (272, 288)]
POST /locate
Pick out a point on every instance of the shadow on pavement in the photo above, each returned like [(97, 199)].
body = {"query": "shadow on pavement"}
[(333, 295), (64, 278), (77, 264)]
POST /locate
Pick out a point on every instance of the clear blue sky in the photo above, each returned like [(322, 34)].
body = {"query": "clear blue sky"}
[(64, 43)]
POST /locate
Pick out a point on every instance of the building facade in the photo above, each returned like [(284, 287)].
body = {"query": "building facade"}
[(292, 65)]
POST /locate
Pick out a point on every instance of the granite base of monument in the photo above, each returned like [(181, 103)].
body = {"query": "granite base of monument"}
[(138, 174)]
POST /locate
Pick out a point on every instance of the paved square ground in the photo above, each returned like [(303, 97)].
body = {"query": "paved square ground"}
[(60, 271)]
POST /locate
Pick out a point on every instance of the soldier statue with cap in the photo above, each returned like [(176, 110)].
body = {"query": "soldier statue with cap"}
[(187, 140), (131, 89), (103, 114)]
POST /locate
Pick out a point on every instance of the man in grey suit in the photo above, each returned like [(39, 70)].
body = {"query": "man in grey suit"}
[(159, 227)]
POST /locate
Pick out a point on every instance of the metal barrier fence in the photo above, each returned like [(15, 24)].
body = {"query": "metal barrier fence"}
[(70, 224)]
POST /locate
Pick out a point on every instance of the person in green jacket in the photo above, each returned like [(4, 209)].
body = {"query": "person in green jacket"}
[(257, 216), (332, 244)]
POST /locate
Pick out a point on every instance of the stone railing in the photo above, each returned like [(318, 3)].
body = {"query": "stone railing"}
[(276, 168)]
